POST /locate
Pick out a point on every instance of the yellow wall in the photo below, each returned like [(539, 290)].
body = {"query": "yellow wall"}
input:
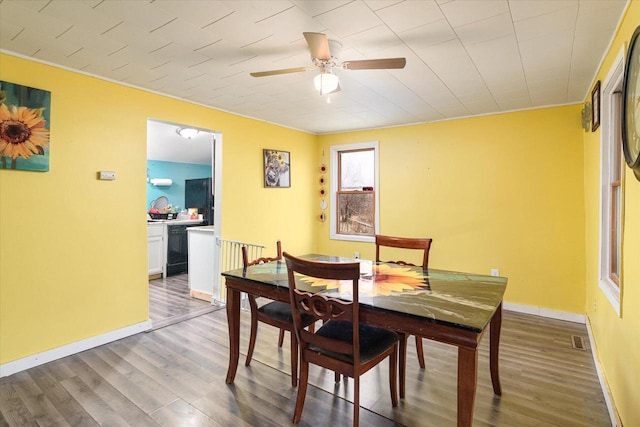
[(73, 250), (501, 191), (617, 338), (516, 191)]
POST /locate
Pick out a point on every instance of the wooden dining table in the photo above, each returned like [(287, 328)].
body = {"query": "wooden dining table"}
[(447, 306)]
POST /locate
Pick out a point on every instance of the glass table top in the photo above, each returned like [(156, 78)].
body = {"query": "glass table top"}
[(464, 300)]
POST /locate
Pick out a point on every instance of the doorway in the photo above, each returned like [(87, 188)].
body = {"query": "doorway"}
[(173, 159)]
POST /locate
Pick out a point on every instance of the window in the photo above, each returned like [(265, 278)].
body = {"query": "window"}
[(610, 180), (615, 194), (354, 191)]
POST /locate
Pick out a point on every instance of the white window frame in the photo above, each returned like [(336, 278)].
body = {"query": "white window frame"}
[(612, 83), (334, 150)]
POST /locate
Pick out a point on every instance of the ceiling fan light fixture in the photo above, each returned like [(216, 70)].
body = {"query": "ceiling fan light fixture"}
[(187, 133), (326, 82)]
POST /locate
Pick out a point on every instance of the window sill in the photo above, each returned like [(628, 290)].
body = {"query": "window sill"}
[(352, 238), (612, 293)]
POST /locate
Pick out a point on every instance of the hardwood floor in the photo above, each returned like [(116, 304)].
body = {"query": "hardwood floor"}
[(169, 301), (175, 376)]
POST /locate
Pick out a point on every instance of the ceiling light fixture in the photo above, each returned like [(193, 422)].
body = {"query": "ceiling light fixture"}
[(326, 83), (187, 133)]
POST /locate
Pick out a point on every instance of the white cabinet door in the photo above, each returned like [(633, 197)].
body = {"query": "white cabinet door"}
[(155, 255), (156, 248), (201, 260)]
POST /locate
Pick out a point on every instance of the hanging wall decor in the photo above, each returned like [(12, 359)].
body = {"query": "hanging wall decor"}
[(595, 107), (24, 127), (277, 169), (323, 203)]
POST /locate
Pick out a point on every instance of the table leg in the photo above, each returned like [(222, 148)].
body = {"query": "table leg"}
[(233, 320), (494, 344), (402, 364), (467, 382)]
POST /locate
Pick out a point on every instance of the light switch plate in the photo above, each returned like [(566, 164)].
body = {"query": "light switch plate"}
[(106, 175)]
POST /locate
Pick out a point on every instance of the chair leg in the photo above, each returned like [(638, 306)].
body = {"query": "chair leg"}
[(336, 377), (403, 363), (420, 351), (281, 338), (356, 400), (302, 390), (393, 376), (252, 337), (294, 358)]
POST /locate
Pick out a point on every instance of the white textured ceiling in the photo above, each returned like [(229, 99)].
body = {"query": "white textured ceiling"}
[(164, 144), (464, 57)]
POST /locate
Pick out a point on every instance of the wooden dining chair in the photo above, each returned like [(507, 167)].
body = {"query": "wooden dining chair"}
[(274, 313), (342, 343), (424, 245)]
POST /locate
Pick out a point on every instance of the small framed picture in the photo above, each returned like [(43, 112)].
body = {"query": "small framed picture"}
[(277, 169), (595, 107)]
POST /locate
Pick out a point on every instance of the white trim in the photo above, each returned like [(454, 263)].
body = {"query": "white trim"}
[(604, 384), (606, 51), (612, 293), (611, 83), (333, 159), (28, 362), (144, 89), (217, 216), (577, 318), (545, 312), (318, 133)]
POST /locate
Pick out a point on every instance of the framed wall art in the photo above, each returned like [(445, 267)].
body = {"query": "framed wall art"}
[(24, 127), (595, 107), (277, 169)]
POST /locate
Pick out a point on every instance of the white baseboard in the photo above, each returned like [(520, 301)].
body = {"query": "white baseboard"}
[(604, 385), (86, 344), (25, 363), (545, 312), (577, 318)]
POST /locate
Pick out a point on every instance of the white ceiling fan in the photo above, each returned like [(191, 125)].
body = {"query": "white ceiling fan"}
[(324, 54)]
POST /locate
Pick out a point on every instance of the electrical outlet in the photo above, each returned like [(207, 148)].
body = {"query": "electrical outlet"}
[(495, 272), (356, 255)]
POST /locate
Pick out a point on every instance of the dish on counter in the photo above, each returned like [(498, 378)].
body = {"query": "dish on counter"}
[(160, 203)]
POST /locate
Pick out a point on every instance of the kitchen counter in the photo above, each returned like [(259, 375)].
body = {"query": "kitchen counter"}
[(201, 262), (159, 232), (175, 221), (209, 228)]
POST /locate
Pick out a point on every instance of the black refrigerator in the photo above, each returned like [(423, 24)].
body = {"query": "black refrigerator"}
[(198, 194)]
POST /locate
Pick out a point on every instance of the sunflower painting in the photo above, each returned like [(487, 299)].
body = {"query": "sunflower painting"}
[(389, 279), (24, 127)]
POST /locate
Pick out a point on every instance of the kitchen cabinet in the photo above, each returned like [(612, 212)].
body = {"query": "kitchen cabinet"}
[(201, 262), (157, 252)]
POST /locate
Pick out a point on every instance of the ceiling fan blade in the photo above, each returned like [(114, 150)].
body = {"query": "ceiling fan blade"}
[(375, 64), (283, 71), (318, 45)]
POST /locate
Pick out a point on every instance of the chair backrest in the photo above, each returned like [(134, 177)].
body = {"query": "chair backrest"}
[(323, 307), (245, 258), (404, 243)]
